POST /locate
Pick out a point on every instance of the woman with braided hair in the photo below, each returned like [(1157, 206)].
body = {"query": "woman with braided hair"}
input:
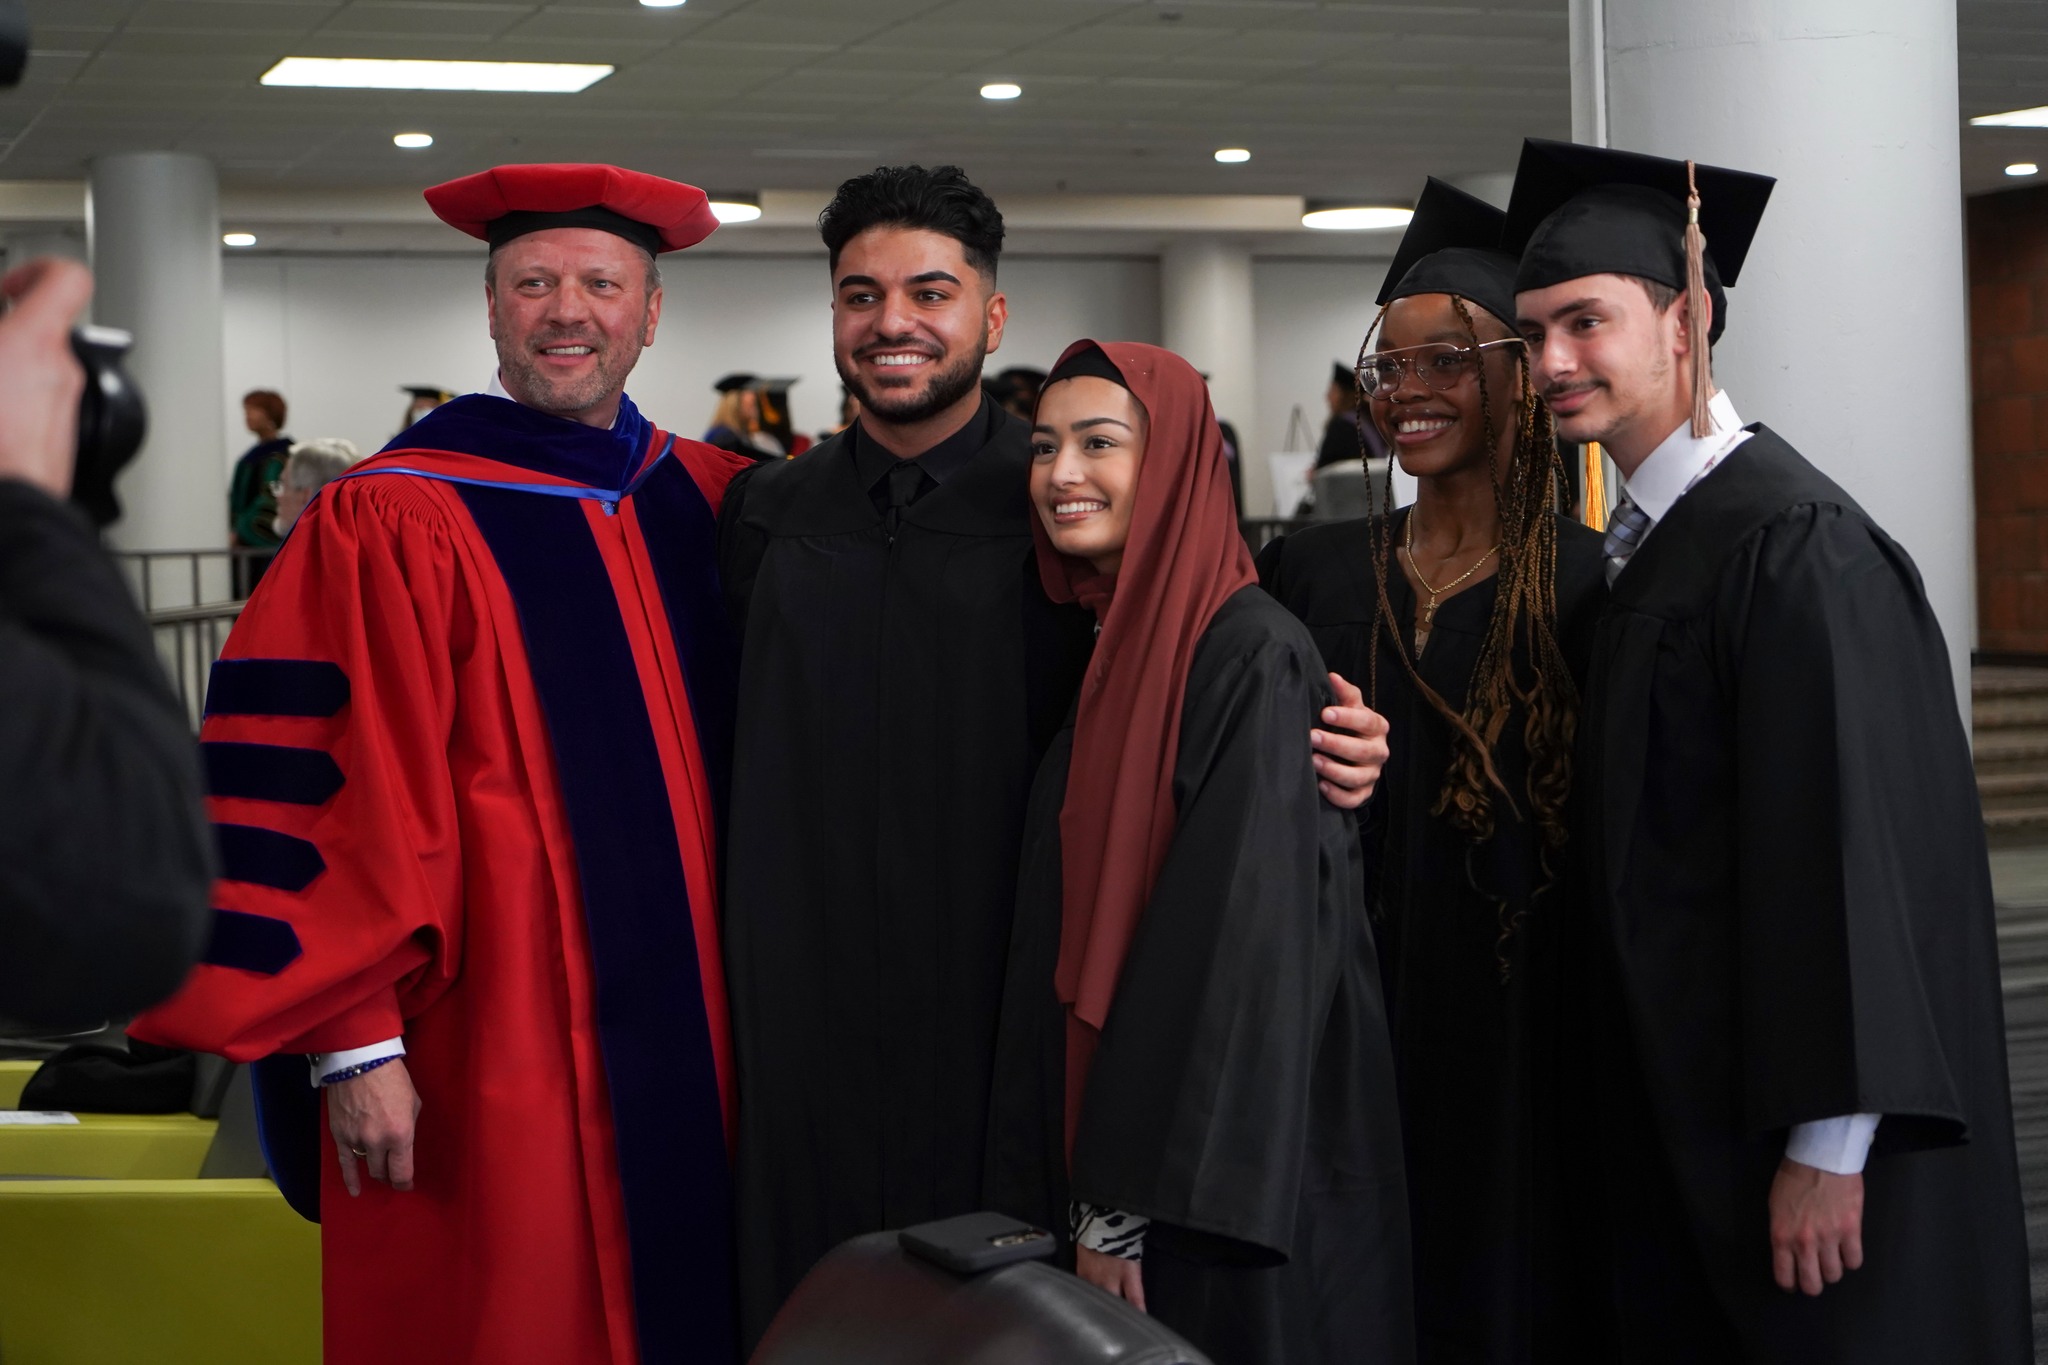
[(1470, 611)]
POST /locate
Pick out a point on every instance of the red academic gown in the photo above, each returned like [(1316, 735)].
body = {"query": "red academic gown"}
[(466, 747)]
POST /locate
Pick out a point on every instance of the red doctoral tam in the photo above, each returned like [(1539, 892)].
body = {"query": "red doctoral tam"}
[(510, 201)]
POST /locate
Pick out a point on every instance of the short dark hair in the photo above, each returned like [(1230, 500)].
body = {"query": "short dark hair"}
[(269, 402), (1662, 295), (941, 200)]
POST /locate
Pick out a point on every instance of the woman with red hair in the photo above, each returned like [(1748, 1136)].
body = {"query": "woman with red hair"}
[(1193, 1077)]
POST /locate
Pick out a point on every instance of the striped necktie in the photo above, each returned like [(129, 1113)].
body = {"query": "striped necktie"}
[(1625, 531)]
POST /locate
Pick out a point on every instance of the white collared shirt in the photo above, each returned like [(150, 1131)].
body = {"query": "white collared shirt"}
[(1670, 471)]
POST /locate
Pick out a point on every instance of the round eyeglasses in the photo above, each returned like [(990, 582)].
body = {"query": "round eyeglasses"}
[(1438, 365)]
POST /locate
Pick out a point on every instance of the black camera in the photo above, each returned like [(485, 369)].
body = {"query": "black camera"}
[(111, 420)]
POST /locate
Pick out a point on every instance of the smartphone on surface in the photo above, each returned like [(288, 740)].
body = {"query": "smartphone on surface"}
[(974, 1242)]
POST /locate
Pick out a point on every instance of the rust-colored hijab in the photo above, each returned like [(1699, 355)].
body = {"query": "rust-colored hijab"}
[(1184, 559)]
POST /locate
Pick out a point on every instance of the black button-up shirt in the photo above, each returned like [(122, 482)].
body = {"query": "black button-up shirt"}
[(872, 463)]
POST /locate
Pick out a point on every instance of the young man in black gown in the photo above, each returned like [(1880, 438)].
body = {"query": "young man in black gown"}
[(901, 673), (1801, 1125)]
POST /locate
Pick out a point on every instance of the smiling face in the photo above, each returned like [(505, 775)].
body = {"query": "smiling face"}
[(1438, 432), (912, 322), (1085, 450), (1607, 361), (571, 312)]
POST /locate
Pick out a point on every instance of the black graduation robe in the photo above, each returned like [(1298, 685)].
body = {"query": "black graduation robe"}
[(1485, 1121), (1791, 919), (895, 697), (1242, 1096)]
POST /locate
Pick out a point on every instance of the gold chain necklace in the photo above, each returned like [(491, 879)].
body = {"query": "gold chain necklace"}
[(1428, 621)]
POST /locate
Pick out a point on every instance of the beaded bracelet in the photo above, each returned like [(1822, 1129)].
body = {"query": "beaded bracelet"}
[(349, 1073)]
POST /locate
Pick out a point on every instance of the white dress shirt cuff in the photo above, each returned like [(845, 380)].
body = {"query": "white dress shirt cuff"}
[(326, 1064), (1839, 1145)]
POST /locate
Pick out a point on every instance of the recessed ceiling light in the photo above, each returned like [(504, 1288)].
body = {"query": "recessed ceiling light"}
[(735, 210), (1230, 156), (2023, 168), (1356, 218), (413, 142), (661, 4), (238, 239), (1001, 90), (376, 73), (2014, 118)]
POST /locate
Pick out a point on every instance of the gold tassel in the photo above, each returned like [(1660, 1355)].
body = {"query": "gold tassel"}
[(1596, 487), (1696, 309)]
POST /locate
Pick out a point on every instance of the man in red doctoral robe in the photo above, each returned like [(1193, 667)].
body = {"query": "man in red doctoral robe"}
[(465, 751)]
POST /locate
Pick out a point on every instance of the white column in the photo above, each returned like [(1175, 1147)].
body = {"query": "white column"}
[(1847, 332), (1205, 305), (153, 222)]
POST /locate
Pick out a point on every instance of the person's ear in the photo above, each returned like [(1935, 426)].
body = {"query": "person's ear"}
[(997, 317), (653, 317)]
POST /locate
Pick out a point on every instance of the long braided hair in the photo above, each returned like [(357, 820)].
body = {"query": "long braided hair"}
[(1527, 492)]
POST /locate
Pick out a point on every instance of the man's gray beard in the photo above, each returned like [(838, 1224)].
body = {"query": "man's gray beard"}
[(525, 382), (947, 387)]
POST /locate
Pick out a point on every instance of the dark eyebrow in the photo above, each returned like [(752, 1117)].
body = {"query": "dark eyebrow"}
[(933, 276), (1088, 422), (1575, 306), (867, 280)]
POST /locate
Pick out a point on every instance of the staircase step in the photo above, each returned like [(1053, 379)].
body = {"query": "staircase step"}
[(2001, 680), (2021, 784), (2008, 711), (2019, 744)]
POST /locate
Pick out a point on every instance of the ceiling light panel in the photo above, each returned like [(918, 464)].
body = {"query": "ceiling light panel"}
[(377, 73)]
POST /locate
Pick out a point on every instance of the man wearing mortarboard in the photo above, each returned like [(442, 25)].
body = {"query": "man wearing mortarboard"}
[(1799, 1139), (466, 746)]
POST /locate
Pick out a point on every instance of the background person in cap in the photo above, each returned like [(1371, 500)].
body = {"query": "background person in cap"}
[(465, 746), (424, 400), (901, 673), (1471, 610), (736, 422), (1799, 1122)]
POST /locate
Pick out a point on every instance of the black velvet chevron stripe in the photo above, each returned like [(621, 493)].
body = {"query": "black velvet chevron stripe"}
[(266, 858), (276, 687), (254, 943), (270, 772)]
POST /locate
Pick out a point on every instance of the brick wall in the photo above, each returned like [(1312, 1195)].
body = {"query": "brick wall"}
[(2008, 251)]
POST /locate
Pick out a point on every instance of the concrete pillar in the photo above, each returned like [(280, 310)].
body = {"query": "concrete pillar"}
[(153, 223), (1847, 332), (1205, 304)]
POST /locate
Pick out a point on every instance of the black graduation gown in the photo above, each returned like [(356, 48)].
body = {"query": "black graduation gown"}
[(1791, 920), (1480, 1076), (895, 697), (1242, 1096)]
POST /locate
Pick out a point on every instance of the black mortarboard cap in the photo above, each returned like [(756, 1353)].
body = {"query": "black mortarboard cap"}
[(765, 385), (1580, 211), (735, 381), (1452, 246), (425, 391)]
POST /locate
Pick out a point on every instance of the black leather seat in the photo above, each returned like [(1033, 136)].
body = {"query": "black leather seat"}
[(872, 1303)]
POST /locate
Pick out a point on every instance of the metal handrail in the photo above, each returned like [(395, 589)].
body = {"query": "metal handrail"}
[(143, 570)]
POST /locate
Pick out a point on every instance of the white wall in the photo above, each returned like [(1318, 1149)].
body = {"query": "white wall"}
[(1307, 313), (339, 336)]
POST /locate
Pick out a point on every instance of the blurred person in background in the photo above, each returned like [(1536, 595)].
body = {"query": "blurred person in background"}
[(252, 508), (425, 399), (105, 858), (308, 469), (736, 421)]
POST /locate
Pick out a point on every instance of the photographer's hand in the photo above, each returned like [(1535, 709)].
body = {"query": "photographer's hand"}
[(40, 379)]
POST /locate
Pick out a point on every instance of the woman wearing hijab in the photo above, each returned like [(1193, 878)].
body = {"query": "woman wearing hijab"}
[(1192, 1075), (1472, 612)]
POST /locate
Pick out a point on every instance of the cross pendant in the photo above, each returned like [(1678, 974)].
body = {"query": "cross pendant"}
[(1429, 612)]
